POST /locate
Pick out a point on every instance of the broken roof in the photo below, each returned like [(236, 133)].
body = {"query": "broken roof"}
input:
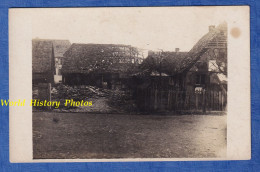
[(85, 58), (178, 62), (215, 38)]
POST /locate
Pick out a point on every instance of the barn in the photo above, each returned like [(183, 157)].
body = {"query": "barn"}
[(101, 65)]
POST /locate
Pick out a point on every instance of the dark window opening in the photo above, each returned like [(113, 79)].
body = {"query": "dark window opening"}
[(200, 79)]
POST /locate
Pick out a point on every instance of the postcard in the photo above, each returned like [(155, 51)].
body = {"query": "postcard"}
[(129, 84)]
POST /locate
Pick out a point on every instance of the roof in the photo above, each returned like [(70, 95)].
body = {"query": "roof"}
[(170, 62), (216, 38), (85, 58), (177, 62), (44, 51), (42, 56)]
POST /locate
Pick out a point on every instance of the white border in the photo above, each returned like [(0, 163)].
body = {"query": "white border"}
[(20, 80)]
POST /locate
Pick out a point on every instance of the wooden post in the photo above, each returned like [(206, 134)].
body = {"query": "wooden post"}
[(168, 102), (150, 99), (197, 101), (155, 99), (49, 97), (189, 108), (204, 101), (171, 100), (213, 100), (219, 98), (209, 105), (145, 100), (222, 101), (176, 100), (161, 102)]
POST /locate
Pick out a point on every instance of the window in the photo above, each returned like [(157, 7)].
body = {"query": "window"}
[(200, 79)]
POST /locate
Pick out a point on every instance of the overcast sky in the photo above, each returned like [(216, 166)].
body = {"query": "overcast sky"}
[(148, 28)]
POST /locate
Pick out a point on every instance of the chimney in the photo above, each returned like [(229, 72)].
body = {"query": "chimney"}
[(177, 50), (211, 28)]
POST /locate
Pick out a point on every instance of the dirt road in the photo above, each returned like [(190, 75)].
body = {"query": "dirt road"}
[(81, 135)]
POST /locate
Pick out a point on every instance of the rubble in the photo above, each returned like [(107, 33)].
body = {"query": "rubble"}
[(104, 100)]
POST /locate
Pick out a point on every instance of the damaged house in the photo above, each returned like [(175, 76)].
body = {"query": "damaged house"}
[(186, 80), (101, 65)]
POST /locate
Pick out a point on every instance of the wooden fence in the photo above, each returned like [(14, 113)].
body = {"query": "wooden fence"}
[(153, 100)]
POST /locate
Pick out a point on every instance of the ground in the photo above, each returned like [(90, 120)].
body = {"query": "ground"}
[(83, 135)]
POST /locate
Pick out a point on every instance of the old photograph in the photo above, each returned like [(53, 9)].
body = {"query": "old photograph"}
[(143, 83), (123, 101)]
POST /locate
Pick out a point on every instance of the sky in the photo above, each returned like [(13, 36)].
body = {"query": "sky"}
[(149, 28)]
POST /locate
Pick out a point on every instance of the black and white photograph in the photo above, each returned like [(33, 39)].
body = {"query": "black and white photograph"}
[(137, 102), (131, 83)]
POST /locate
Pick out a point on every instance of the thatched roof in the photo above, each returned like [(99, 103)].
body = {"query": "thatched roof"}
[(86, 58), (44, 51)]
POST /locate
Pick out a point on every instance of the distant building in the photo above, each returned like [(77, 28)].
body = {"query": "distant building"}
[(47, 57), (60, 47)]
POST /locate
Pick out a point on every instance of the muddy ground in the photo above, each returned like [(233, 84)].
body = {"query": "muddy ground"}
[(82, 135)]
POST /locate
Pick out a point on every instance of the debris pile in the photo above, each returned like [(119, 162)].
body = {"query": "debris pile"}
[(103, 100)]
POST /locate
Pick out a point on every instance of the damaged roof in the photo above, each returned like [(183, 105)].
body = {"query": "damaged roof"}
[(178, 62), (215, 38), (85, 58)]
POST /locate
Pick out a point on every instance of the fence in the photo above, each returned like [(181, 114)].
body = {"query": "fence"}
[(169, 100)]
